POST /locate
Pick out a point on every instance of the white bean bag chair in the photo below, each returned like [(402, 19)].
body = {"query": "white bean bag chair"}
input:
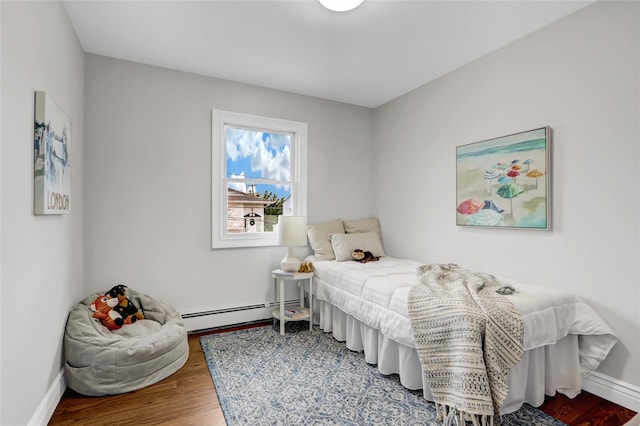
[(99, 361)]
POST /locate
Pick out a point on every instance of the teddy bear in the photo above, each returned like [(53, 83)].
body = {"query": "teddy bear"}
[(306, 267), (103, 310), (364, 256), (125, 307)]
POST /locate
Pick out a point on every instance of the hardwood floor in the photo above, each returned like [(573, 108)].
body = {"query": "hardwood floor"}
[(184, 398), (586, 409), (188, 398)]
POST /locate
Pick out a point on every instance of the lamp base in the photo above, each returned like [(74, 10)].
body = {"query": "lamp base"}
[(290, 263)]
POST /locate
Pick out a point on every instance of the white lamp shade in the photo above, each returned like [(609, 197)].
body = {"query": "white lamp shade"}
[(292, 231)]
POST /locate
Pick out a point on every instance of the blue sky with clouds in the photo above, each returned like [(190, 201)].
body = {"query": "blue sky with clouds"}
[(258, 155)]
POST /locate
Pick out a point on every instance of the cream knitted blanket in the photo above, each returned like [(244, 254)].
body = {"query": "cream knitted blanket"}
[(468, 337)]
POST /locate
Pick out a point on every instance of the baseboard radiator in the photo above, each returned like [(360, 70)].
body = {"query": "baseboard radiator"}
[(198, 322)]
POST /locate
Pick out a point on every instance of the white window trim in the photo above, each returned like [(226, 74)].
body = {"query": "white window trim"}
[(219, 236)]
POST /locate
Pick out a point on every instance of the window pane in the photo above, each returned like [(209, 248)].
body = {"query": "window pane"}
[(253, 154), (255, 207)]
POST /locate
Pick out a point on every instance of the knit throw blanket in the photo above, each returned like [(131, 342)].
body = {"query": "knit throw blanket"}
[(468, 337)]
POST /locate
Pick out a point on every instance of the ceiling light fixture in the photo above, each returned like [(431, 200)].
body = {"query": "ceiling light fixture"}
[(340, 5)]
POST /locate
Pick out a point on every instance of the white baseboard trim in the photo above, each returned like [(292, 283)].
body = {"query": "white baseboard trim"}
[(207, 322), (635, 421), (50, 401), (197, 321), (613, 390)]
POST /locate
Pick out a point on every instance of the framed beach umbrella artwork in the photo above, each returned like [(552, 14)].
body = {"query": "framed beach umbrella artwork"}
[(504, 182)]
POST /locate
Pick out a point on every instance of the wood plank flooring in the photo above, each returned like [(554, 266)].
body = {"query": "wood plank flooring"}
[(184, 398), (188, 398)]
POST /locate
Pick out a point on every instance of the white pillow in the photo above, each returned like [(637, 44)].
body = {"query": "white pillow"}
[(319, 238), (344, 244), (363, 225)]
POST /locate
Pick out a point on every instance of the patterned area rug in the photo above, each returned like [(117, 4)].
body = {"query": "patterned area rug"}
[(303, 378)]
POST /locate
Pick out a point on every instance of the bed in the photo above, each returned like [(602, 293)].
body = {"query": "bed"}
[(365, 305)]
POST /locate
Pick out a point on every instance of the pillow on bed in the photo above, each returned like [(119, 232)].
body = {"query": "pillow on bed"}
[(363, 225), (344, 244), (319, 238)]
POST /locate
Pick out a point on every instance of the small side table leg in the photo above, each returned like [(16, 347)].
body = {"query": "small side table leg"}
[(275, 297), (310, 303), (301, 285), (281, 307)]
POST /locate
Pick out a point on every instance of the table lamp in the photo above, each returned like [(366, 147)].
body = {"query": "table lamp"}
[(292, 231)]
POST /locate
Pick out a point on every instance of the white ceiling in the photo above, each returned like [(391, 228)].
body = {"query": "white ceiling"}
[(366, 57)]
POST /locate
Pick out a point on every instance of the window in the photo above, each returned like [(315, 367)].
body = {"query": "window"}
[(258, 174)]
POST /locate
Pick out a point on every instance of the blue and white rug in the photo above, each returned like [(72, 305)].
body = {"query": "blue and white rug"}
[(309, 378)]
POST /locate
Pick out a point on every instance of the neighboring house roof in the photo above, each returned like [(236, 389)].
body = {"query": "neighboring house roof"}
[(238, 197)]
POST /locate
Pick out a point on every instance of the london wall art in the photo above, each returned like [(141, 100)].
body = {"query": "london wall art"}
[(505, 182), (51, 158)]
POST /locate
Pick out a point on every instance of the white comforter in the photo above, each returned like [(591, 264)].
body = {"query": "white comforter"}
[(375, 293)]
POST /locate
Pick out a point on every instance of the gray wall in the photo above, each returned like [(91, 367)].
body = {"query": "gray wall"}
[(41, 256), (579, 76), (148, 187)]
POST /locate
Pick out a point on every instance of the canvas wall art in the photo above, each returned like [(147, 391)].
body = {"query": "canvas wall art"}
[(51, 158), (504, 182)]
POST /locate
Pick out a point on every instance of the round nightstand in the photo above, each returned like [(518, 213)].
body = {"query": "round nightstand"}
[(296, 313)]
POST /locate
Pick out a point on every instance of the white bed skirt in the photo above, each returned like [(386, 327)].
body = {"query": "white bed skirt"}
[(541, 371)]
